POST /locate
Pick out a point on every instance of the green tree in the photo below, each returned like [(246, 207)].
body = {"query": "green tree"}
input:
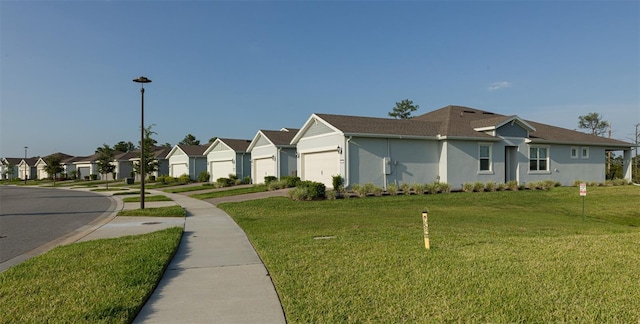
[(151, 164), (213, 139), (123, 146), (9, 171), (104, 161), (594, 122), (403, 109), (54, 166), (189, 140)]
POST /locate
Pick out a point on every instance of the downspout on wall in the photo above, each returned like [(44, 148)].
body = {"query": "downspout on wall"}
[(346, 162)]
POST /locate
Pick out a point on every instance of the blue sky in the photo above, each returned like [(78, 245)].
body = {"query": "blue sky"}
[(228, 69)]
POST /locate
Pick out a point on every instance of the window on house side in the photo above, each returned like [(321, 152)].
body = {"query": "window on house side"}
[(538, 159), (574, 152), (485, 157), (585, 152)]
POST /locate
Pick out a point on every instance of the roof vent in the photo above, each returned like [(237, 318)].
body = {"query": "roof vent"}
[(487, 113)]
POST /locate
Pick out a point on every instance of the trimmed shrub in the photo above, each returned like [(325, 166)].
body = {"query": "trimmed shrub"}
[(331, 194), (467, 187), (418, 188), (501, 186), (512, 185), (358, 190), (224, 182), (184, 179), (290, 181), (368, 188), (444, 187), (269, 179), (392, 189), (490, 186), (478, 187), (204, 176), (93, 177), (338, 183), (315, 190), (246, 180), (406, 189)]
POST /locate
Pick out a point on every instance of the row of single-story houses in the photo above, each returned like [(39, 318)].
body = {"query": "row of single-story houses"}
[(453, 144)]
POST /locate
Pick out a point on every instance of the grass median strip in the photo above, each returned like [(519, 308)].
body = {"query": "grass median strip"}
[(147, 198), (170, 211), (523, 256), (231, 192), (188, 189), (103, 281)]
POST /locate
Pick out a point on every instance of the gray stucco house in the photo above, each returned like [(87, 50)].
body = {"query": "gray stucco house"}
[(272, 154), (453, 144), (227, 156)]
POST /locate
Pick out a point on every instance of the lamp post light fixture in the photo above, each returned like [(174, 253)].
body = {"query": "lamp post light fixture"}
[(142, 80), (25, 165)]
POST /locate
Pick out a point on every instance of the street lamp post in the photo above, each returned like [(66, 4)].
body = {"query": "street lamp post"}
[(25, 165), (142, 80)]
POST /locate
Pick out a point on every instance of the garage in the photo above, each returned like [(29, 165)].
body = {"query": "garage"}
[(84, 172), (321, 167), (263, 167), (221, 169), (179, 169)]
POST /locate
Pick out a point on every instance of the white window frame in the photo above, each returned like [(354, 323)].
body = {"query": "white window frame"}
[(489, 158), (548, 159), (576, 150), (584, 152)]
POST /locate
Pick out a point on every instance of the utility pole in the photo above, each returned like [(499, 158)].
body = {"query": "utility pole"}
[(634, 159)]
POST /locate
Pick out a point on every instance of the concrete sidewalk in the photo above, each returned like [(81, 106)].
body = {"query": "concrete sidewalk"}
[(215, 276)]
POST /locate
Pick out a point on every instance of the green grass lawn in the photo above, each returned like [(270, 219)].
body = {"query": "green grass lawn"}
[(230, 192), (169, 211), (102, 281), (525, 256), (147, 198), (187, 189)]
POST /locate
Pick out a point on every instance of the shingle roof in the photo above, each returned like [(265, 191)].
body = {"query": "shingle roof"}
[(13, 161), (381, 126), (280, 137), (238, 145), (193, 150), (459, 121)]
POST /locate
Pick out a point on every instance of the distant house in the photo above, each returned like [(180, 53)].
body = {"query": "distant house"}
[(27, 168), (85, 166), (272, 154), (159, 154), (41, 164), (187, 159), (228, 156), (9, 168), (453, 144)]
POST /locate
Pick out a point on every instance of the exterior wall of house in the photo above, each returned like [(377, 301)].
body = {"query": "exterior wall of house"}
[(40, 172), (384, 161), (325, 142), (243, 165), (258, 154), (86, 170), (288, 162), (163, 167), (462, 163), (566, 169), (178, 164), (223, 159)]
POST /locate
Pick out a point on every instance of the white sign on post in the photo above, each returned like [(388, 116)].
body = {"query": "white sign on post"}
[(583, 189)]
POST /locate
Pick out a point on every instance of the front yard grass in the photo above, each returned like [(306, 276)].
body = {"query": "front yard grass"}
[(102, 281), (525, 256), (230, 192)]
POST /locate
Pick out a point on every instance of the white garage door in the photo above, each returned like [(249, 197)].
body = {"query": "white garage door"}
[(321, 166), (179, 169), (220, 169), (263, 168)]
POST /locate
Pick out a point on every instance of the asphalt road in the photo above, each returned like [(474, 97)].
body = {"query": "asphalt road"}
[(32, 217)]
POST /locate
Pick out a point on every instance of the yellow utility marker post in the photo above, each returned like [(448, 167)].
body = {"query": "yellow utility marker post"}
[(425, 225)]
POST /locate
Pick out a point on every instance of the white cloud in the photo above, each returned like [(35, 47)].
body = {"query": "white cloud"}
[(498, 85)]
